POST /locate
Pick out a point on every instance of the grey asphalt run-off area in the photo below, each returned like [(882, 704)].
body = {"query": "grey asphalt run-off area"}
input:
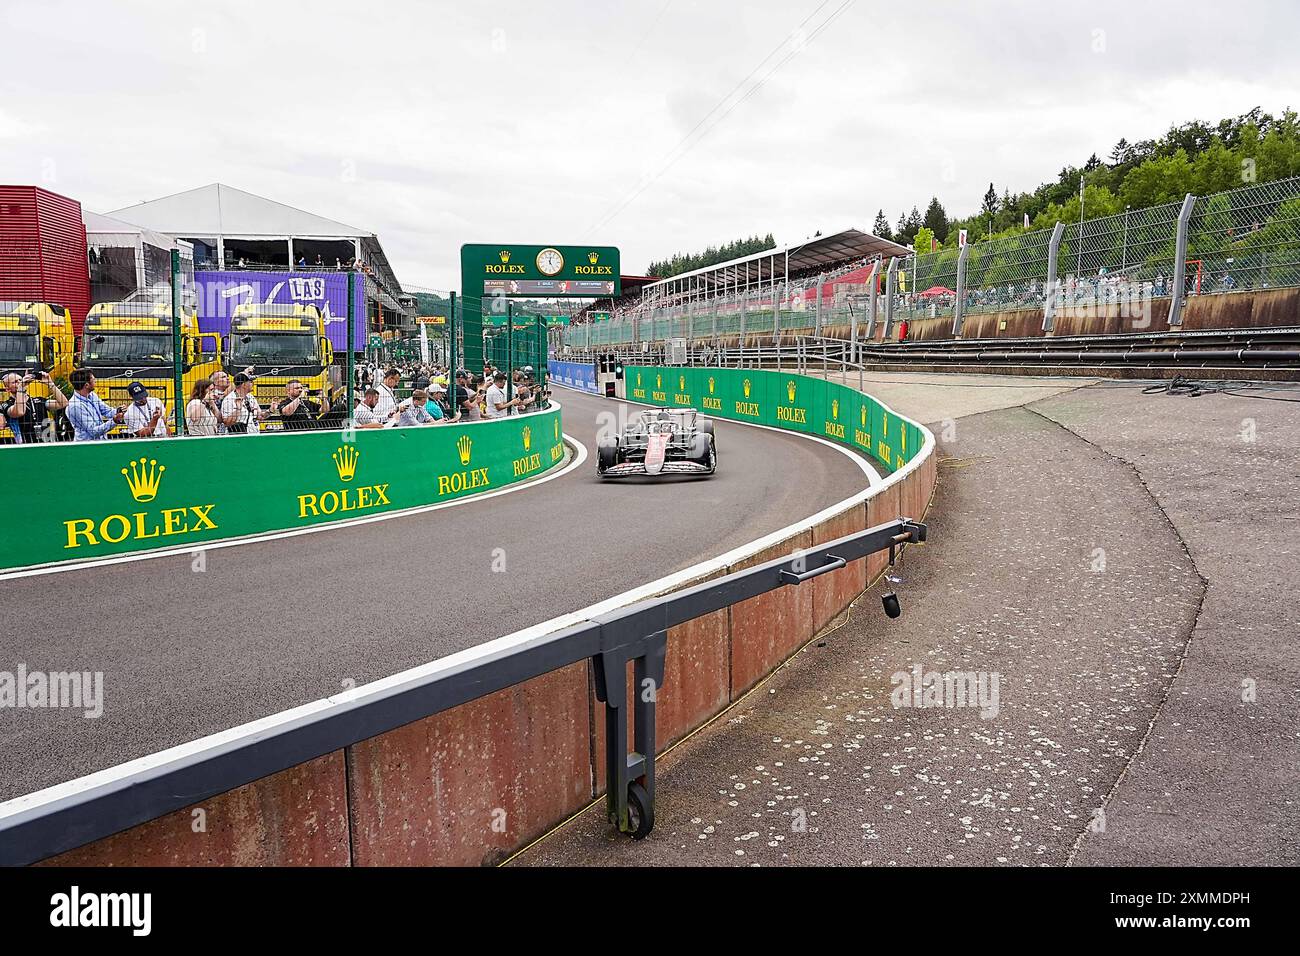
[(1126, 565), (271, 625)]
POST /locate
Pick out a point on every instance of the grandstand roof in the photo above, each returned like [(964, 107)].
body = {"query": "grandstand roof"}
[(221, 210), (810, 254)]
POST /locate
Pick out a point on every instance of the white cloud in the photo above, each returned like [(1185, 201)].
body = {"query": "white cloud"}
[(521, 121)]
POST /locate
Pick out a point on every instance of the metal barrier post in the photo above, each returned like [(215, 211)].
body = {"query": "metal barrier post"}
[(1052, 292), (871, 316), (958, 306), (178, 354), (350, 359), (630, 777), (820, 276), (1180, 262), (891, 291)]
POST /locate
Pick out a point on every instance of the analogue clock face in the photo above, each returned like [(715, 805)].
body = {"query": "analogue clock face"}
[(549, 261)]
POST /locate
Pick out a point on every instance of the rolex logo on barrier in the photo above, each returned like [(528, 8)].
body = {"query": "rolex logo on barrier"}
[(345, 460), (861, 435), (834, 428), (143, 479), (748, 409), (530, 462), (343, 500), (593, 257), (659, 395), (784, 413), (557, 427), (504, 255), (459, 481), (710, 402)]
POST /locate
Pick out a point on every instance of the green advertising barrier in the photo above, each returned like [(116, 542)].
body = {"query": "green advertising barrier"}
[(782, 400), (114, 497)]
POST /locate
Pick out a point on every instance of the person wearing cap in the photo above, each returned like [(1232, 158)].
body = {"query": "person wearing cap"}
[(433, 404), (145, 417), (240, 411), (466, 398)]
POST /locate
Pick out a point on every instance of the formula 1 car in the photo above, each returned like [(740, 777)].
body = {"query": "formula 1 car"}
[(660, 441)]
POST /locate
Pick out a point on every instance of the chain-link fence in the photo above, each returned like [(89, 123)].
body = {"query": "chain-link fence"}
[(1243, 239)]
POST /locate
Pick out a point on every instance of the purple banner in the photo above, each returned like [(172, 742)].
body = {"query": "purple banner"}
[(220, 292)]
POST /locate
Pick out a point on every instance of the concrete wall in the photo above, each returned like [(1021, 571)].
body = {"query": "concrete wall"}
[(473, 784)]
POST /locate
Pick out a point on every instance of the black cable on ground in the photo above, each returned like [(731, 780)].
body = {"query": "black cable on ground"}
[(1193, 388)]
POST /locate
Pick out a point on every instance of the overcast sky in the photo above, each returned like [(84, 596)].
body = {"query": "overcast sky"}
[(439, 123)]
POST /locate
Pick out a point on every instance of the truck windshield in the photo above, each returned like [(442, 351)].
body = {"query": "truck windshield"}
[(285, 348), (127, 348), (16, 350)]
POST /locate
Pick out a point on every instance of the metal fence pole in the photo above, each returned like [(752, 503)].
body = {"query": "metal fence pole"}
[(958, 306), (178, 353), (1180, 262), (1052, 292), (891, 291), (819, 303), (350, 357), (871, 318)]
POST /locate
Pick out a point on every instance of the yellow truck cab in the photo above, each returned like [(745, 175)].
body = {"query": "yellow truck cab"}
[(280, 343), (36, 336), (131, 341)]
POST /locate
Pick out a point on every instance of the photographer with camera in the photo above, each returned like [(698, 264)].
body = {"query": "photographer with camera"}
[(297, 411), (240, 411), (24, 414)]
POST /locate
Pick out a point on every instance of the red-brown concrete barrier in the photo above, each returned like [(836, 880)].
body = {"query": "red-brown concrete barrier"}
[(470, 785)]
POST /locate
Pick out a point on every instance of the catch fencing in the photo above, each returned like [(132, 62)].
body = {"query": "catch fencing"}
[(1245, 239)]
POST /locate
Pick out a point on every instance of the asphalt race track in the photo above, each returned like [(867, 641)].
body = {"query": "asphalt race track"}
[(275, 624)]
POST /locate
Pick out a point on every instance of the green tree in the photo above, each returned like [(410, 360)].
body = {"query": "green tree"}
[(936, 219), (924, 241), (881, 226)]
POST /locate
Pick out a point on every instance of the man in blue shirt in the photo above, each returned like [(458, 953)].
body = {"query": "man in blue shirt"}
[(91, 417)]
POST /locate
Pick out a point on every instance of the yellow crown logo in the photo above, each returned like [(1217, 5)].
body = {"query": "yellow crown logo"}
[(593, 257), (143, 481), (528, 437), (557, 429), (463, 446), (904, 437), (711, 383), (789, 389), (681, 383), (745, 384), (864, 416), (659, 381), (638, 379), (505, 255), (345, 460), (885, 429), (835, 408)]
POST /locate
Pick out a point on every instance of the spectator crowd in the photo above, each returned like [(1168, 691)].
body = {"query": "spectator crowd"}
[(394, 396)]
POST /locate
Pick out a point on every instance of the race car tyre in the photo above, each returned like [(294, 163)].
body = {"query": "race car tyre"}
[(606, 456), (706, 427), (704, 452), (640, 812)]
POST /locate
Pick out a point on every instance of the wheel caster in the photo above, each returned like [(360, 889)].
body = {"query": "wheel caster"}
[(640, 813)]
